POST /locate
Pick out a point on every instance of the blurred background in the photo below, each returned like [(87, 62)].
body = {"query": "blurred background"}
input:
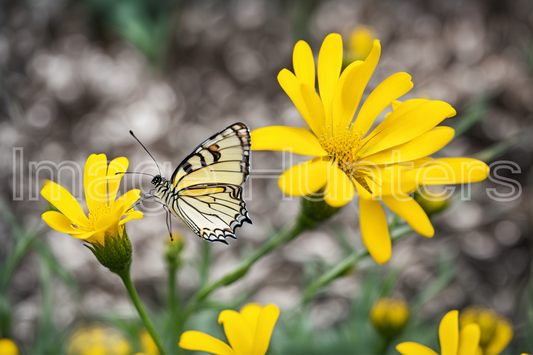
[(75, 76)]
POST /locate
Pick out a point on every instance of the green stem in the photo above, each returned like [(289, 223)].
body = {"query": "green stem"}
[(284, 236), (126, 278), (172, 297), (204, 267), (346, 264), (383, 345)]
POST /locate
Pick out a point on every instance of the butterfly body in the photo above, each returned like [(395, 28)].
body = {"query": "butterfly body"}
[(205, 189)]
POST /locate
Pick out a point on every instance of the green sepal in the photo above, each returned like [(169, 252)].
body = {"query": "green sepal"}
[(117, 252)]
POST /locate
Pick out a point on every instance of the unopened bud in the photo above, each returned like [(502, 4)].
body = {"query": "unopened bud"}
[(173, 249), (116, 254), (389, 316), (433, 200)]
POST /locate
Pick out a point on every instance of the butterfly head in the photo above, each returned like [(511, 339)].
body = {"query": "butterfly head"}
[(157, 180)]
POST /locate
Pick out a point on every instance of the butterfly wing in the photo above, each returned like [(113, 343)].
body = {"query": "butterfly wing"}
[(208, 183), (213, 211), (222, 158)]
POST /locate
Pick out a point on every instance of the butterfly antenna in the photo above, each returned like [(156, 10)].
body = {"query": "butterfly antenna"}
[(132, 172), (142, 145)]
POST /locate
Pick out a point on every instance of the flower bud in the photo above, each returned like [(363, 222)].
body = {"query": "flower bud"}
[(148, 344), (98, 339), (173, 249), (8, 347), (431, 200), (389, 316), (360, 44), (116, 254), (496, 331)]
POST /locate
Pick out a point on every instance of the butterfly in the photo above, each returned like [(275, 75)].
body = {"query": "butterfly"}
[(205, 189)]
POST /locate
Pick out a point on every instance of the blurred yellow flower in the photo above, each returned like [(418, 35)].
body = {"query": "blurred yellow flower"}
[(8, 347), (148, 344), (98, 339), (106, 212), (389, 316), (248, 332), (496, 331), (388, 163), (452, 342), (360, 44)]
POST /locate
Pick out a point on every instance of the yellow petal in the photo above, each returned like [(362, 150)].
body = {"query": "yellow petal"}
[(355, 83), (58, 196), (304, 63), (409, 125), (449, 333), (124, 202), (304, 179), (280, 138), (339, 189), (265, 325), (344, 105), (314, 105), (374, 230), (117, 165), (60, 223), (130, 216), (449, 171), (8, 347), (329, 69), (396, 104), (408, 209), (251, 312), (422, 146), (237, 331), (390, 89), (95, 181), (410, 348), (198, 341), (291, 86), (469, 339), (502, 337)]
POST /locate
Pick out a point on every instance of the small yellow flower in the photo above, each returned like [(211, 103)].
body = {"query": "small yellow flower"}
[(8, 347), (248, 332), (148, 344), (496, 331), (97, 339), (389, 316), (106, 212), (360, 44), (452, 342), (383, 165)]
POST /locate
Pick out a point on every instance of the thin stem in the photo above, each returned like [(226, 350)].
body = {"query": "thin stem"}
[(284, 236), (172, 298), (383, 345), (204, 267), (346, 264), (126, 278)]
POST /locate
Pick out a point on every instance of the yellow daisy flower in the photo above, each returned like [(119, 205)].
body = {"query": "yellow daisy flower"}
[(452, 342), (106, 212), (248, 332), (8, 347), (388, 163), (98, 339), (496, 331)]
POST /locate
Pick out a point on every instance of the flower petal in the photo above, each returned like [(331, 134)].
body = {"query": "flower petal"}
[(409, 125), (124, 202), (117, 165), (449, 171), (329, 69), (502, 337), (339, 189), (280, 138), (95, 181), (314, 105), (343, 104), (265, 325), (237, 331), (251, 312), (374, 230), (304, 179), (356, 82), (291, 85), (387, 91), (58, 196), (449, 333), (469, 339), (408, 209), (60, 223), (422, 146), (304, 63), (410, 348), (198, 341), (130, 216)]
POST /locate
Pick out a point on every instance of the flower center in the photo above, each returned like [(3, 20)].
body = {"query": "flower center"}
[(342, 145), (95, 214)]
